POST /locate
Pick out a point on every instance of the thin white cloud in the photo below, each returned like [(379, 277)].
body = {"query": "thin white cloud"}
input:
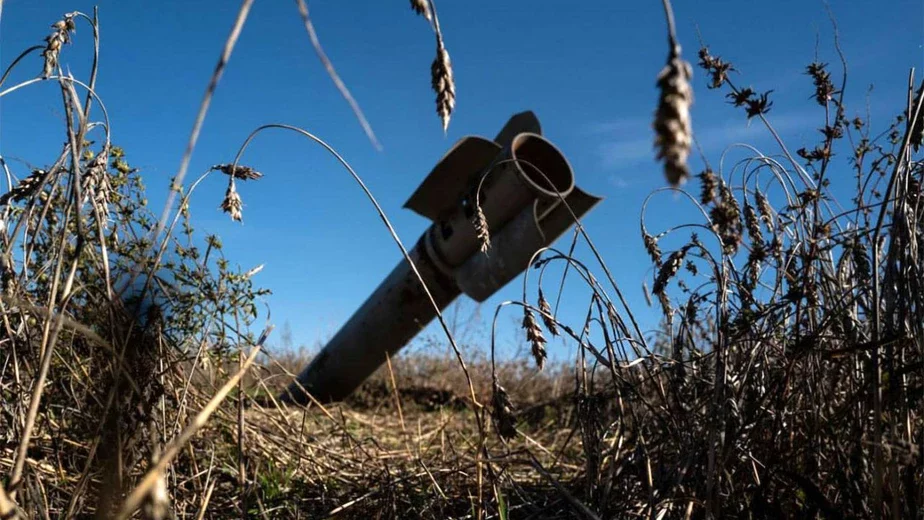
[(622, 126), (619, 181)]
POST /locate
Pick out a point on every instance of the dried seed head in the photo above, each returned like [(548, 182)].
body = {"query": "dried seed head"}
[(690, 311), (758, 105), (535, 337), (54, 42), (442, 82), (25, 189), (716, 66), (503, 413), (764, 208), (741, 97), (709, 186), (832, 132), (481, 229), (669, 270), (819, 153), (96, 182), (776, 248), (422, 7), (862, 265), (545, 311), (917, 126), (691, 268), (244, 173), (232, 203), (7, 277), (755, 258), (651, 245), (673, 129), (726, 217), (753, 224), (824, 87)]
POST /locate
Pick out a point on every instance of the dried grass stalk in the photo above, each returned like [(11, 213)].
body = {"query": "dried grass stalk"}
[(917, 126), (7, 508), (157, 503)]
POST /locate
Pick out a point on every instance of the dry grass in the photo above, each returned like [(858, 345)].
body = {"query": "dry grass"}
[(786, 380)]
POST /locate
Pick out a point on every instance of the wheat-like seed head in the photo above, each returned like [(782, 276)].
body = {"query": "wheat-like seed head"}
[(502, 412), (765, 209), (244, 173), (776, 248), (481, 230), (710, 185), (726, 217), (422, 7), (755, 258), (651, 246), (232, 203), (54, 42), (25, 188), (535, 337), (753, 224), (673, 128), (669, 270), (861, 263), (96, 182), (443, 84), (545, 311)]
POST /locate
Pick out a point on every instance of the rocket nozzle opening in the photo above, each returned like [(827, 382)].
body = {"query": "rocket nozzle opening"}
[(541, 165)]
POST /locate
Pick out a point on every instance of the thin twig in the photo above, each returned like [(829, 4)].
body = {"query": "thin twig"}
[(341, 86)]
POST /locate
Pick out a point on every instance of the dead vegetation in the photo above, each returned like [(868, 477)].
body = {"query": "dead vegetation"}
[(786, 380)]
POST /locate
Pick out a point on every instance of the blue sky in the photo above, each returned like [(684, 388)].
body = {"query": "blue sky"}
[(586, 68)]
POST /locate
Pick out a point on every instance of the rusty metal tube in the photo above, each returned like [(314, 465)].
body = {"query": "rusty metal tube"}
[(512, 183), (388, 320), (525, 179), (537, 226)]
